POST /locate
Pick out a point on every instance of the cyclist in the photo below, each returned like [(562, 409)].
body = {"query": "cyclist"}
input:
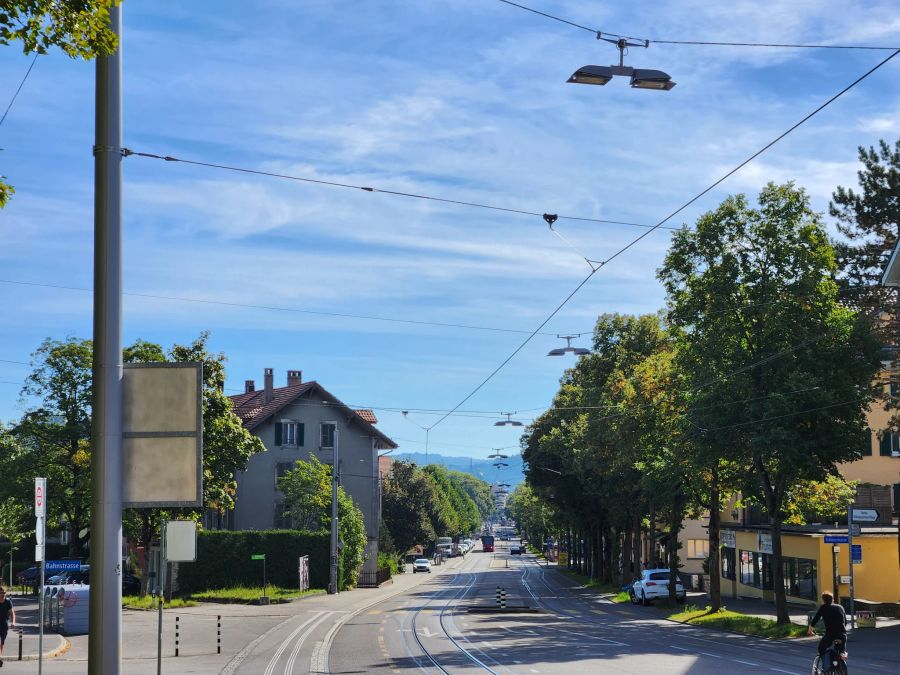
[(835, 620)]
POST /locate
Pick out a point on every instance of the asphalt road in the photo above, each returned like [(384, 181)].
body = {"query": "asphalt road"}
[(436, 623)]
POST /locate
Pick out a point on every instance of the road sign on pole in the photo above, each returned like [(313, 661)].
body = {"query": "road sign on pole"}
[(40, 497), (856, 553), (865, 515), (40, 512), (836, 539)]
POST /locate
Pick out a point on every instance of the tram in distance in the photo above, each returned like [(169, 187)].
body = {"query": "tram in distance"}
[(487, 543)]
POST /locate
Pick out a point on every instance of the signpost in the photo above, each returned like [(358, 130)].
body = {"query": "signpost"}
[(856, 553), (836, 539), (62, 565), (40, 514), (864, 515), (264, 600)]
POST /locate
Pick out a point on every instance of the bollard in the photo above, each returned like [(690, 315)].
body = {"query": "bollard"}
[(498, 595), (219, 634), (176, 636), (20, 644), (502, 598)]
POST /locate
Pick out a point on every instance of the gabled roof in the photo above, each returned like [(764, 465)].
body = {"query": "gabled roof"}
[(253, 409)]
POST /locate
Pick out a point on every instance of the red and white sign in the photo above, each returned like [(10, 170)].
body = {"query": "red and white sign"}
[(40, 497)]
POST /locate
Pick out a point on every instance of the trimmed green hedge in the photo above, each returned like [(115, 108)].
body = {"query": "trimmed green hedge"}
[(223, 559)]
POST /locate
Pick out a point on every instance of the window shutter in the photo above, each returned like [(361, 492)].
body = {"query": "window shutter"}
[(300, 434), (867, 447), (896, 497), (885, 445), (277, 433)]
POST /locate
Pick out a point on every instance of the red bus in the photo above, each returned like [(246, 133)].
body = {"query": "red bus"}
[(487, 543)]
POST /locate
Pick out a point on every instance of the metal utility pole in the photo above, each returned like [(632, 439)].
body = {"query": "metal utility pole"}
[(335, 483), (850, 558), (105, 621)]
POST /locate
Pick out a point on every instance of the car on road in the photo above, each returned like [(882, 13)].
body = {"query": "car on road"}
[(654, 584), (421, 565), (515, 550)]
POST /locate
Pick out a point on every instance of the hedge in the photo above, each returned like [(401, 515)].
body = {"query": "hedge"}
[(223, 559)]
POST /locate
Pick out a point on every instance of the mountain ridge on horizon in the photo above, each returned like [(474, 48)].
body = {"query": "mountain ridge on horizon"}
[(478, 467)]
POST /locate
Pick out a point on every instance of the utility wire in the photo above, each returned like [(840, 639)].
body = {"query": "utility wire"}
[(602, 34), (21, 84), (276, 308), (396, 193), (622, 250)]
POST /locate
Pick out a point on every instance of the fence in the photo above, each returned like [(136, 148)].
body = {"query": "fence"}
[(374, 579)]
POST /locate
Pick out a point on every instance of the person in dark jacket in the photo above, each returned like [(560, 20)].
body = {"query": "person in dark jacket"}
[(7, 619), (835, 620)]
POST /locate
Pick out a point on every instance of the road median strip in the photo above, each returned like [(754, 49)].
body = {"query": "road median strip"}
[(735, 622)]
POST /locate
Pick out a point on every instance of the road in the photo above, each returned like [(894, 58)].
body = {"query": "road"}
[(434, 623)]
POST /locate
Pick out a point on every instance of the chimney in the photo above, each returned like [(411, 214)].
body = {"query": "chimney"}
[(268, 377), (295, 377), (249, 386)]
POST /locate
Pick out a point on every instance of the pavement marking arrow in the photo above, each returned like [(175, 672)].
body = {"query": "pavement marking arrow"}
[(427, 632)]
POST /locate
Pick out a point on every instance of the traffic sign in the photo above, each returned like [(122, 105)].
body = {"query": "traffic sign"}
[(864, 515), (40, 497), (63, 565), (854, 529), (836, 539), (258, 556), (856, 553)]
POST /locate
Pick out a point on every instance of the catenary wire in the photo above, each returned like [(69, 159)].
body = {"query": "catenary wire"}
[(18, 89), (637, 239), (396, 193), (600, 34)]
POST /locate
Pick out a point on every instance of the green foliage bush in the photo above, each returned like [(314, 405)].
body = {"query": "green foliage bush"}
[(223, 559)]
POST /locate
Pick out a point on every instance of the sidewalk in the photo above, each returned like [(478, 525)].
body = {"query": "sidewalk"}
[(879, 643), (26, 618)]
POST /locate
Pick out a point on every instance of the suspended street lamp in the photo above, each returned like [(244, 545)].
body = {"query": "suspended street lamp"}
[(641, 78), (561, 351), (508, 422)]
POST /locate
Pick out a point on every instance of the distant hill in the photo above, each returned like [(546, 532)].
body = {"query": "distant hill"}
[(480, 468)]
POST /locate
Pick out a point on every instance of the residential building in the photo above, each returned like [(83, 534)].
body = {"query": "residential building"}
[(299, 421)]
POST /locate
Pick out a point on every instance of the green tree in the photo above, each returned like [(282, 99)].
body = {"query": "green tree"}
[(79, 27), (407, 498), (478, 490), (15, 525), (820, 500), (53, 437), (754, 292), (307, 498)]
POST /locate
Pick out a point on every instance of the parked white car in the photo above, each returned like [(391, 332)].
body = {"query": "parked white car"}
[(654, 584), (421, 565)]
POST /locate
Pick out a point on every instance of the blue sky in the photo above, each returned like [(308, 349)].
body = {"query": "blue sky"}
[(462, 99)]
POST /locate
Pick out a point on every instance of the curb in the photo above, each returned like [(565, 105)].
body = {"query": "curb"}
[(59, 651)]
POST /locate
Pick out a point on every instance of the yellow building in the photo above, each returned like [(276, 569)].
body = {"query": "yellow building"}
[(808, 564)]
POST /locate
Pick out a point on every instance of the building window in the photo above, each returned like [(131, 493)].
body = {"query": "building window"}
[(748, 567), (289, 432), (281, 468), (281, 521), (728, 570), (800, 578), (698, 548), (326, 434), (890, 444)]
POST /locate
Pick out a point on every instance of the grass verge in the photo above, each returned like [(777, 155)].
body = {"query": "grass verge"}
[(246, 595), (136, 602), (621, 596), (737, 623), (593, 584)]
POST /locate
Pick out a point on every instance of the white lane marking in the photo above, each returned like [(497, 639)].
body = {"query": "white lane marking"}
[(715, 656), (779, 670), (746, 663), (270, 668), (533, 670), (488, 645), (681, 648), (289, 666), (426, 632)]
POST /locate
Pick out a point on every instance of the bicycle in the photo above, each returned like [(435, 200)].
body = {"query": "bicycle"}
[(834, 662)]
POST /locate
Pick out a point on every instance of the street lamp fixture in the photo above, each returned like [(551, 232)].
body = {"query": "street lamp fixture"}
[(561, 351), (508, 422), (641, 78), (497, 455)]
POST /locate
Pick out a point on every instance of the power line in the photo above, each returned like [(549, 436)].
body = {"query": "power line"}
[(395, 193), (276, 308), (622, 250), (18, 89), (600, 34)]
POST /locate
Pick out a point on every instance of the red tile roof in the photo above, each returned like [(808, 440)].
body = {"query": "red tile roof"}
[(368, 416), (253, 410)]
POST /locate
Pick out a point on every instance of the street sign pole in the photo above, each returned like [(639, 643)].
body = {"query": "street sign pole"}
[(335, 483), (850, 560), (161, 581), (40, 512)]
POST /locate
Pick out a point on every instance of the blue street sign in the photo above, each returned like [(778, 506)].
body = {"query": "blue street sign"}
[(62, 566), (856, 553), (837, 539)]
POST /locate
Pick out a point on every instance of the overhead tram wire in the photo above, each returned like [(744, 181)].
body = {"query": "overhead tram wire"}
[(18, 89), (681, 208), (599, 33)]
